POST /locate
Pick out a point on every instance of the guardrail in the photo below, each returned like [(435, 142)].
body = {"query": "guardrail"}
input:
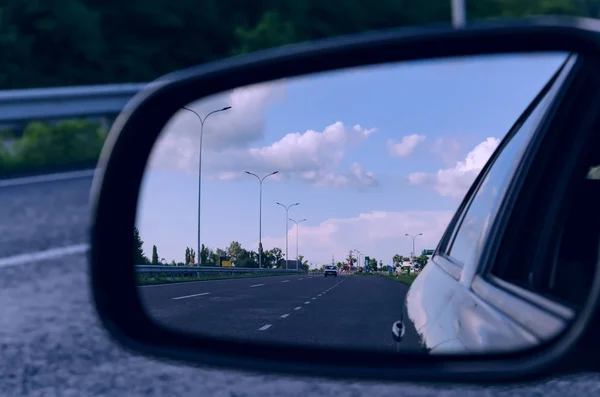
[(150, 272), (21, 106)]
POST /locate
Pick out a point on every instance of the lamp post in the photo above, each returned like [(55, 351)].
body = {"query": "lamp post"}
[(357, 257), (260, 181), (287, 209), (297, 233), (202, 120), (412, 258)]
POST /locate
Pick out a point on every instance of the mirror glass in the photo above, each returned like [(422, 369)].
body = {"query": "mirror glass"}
[(324, 197)]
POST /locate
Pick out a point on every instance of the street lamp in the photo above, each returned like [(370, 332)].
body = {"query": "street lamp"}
[(287, 209), (260, 181), (297, 233), (413, 246), (357, 257), (202, 120)]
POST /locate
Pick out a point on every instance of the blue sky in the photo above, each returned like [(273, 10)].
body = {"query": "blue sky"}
[(370, 154)]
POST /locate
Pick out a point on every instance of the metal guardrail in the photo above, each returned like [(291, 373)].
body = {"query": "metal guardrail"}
[(150, 272), (21, 106), (210, 269)]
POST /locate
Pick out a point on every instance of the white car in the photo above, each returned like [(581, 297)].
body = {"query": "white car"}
[(330, 271)]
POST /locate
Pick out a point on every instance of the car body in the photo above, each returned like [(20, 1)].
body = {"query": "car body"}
[(330, 270), (457, 304)]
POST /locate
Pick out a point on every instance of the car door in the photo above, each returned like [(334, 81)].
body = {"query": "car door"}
[(453, 308)]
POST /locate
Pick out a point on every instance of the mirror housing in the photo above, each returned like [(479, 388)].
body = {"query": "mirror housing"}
[(135, 131)]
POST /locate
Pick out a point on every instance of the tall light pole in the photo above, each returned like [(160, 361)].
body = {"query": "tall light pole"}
[(357, 257), (260, 181), (297, 233), (412, 261), (202, 120), (287, 209)]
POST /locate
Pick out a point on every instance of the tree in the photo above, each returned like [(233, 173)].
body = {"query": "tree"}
[(398, 260), (192, 256), (350, 260), (373, 264), (138, 254), (421, 261), (303, 263), (234, 251), (187, 255), (155, 260), (204, 254), (273, 258)]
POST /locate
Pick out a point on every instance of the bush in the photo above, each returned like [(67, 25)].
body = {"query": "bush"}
[(45, 148)]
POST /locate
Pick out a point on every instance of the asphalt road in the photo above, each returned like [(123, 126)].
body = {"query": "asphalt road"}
[(51, 343), (344, 311)]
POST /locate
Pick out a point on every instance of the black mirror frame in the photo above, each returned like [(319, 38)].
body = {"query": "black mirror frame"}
[(131, 139)]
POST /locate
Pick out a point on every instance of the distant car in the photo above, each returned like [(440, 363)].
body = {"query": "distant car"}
[(330, 271)]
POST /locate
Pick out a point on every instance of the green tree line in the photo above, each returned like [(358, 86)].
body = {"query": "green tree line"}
[(240, 256), (73, 42), (51, 147), (76, 42)]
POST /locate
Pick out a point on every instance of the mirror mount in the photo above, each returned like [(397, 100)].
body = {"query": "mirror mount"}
[(132, 137)]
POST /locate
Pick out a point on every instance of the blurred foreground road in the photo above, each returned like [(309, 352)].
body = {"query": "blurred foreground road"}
[(51, 343)]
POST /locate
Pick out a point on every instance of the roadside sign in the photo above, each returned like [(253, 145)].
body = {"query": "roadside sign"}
[(427, 252)]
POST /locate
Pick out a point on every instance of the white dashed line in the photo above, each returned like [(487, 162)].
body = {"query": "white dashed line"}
[(191, 296), (256, 285), (298, 308), (285, 315), (265, 327), (307, 303), (300, 279), (285, 281), (314, 298)]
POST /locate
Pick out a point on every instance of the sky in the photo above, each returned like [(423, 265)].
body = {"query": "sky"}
[(370, 153)]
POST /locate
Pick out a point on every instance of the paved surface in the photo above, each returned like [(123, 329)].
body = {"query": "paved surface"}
[(322, 311), (51, 344)]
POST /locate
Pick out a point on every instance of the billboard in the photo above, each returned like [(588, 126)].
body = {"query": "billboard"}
[(225, 261)]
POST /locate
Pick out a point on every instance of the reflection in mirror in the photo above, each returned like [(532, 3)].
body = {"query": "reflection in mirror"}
[(323, 198)]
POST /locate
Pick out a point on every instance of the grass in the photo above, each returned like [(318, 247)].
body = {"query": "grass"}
[(208, 277), (402, 278)]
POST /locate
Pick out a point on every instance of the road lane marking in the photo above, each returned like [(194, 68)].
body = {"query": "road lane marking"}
[(307, 303), (300, 279), (51, 253), (47, 178), (256, 285), (265, 327), (285, 315), (191, 296), (298, 308), (285, 281)]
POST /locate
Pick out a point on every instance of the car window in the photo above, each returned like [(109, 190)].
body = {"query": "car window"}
[(474, 226)]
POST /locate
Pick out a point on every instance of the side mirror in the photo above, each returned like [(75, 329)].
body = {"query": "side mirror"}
[(235, 316)]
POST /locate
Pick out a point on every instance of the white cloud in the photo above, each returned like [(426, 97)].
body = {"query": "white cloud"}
[(455, 181), (314, 156), (377, 234), (406, 146)]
